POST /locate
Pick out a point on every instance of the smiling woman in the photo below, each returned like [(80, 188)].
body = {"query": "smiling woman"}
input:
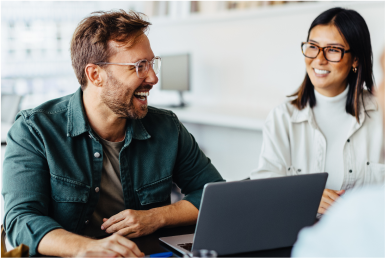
[(332, 124), (347, 59)]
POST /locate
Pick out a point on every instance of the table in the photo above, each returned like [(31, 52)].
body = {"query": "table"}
[(150, 244)]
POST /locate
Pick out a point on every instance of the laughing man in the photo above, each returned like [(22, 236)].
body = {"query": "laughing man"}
[(101, 161)]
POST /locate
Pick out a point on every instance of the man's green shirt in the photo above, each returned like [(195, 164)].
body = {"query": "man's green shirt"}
[(53, 164)]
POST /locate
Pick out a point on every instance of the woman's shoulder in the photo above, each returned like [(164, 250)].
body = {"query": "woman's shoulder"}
[(370, 101), (285, 109)]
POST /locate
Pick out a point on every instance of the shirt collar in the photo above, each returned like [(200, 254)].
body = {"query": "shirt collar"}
[(306, 114), (77, 121), (138, 130)]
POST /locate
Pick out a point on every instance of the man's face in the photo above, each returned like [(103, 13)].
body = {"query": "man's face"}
[(122, 89)]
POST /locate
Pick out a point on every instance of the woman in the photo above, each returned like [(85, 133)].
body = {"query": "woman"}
[(333, 123), (348, 231)]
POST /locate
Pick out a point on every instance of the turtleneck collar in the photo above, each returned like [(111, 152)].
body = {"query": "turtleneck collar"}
[(336, 99)]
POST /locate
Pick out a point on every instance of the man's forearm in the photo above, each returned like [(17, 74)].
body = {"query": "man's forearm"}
[(181, 213), (60, 242)]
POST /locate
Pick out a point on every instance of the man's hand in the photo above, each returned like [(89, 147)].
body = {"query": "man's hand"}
[(133, 223), (60, 242), (328, 198), (104, 254), (112, 246)]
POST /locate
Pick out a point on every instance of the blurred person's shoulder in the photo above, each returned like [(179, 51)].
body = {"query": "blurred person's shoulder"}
[(353, 226)]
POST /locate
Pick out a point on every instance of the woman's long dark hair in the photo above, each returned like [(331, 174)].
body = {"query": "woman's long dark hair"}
[(353, 28)]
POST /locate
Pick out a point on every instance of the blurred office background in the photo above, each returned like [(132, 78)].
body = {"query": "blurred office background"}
[(244, 58)]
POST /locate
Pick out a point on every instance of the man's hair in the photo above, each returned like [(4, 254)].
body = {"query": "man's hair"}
[(89, 43)]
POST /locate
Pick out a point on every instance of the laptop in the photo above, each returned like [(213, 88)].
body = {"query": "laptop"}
[(253, 215)]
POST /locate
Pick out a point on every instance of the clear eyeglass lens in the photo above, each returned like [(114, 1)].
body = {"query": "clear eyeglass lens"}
[(333, 54), (310, 50), (156, 65), (142, 68)]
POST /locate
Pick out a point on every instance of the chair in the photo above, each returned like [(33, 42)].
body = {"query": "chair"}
[(3, 247), (22, 251)]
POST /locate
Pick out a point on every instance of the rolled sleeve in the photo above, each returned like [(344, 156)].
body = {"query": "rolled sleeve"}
[(193, 169), (26, 187)]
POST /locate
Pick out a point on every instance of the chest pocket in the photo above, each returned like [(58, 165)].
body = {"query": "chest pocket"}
[(155, 194), (69, 199), (375, 173)]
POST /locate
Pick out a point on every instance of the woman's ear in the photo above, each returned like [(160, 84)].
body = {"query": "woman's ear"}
[(355, 63)]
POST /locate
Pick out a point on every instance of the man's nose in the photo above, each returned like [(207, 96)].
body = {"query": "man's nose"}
[(151, 77)]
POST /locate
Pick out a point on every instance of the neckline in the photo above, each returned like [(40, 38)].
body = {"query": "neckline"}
[(342, 96)]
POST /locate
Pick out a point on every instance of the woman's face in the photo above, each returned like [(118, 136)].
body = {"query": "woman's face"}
[(329, 78)]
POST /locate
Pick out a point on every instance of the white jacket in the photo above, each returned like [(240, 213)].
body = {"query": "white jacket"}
[(294, 145)]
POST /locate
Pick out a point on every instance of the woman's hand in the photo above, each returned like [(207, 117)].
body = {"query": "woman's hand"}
[(328, 198)]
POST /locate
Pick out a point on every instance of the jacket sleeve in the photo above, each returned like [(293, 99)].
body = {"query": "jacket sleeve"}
[(275, 155), (26, 187), (192, 169)]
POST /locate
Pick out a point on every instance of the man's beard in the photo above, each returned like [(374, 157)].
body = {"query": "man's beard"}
[(115, 95)]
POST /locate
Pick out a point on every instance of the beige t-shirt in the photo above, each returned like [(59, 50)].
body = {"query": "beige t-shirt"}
[(111, 200)]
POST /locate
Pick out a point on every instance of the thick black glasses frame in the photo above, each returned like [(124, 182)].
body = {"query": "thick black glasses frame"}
[(343, 51)]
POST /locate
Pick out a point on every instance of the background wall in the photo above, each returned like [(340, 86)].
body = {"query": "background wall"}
[(244, 63), (252, 58)]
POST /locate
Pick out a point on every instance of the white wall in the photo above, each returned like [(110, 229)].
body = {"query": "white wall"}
[(245, 63), (253, 57)]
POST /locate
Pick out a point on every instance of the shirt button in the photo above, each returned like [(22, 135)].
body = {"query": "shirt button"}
[(348, 140), (97, 189), (97, 154), (350, 171), (86, 222), (288, 169), (299, 170), (367, 163), (90, 136)]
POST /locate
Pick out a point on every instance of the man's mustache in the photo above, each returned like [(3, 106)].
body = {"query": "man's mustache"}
[(144, 87)]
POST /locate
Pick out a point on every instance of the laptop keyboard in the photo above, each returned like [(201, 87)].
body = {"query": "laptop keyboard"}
[(186, 246)]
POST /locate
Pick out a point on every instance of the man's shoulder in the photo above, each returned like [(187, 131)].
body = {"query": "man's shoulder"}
[(162, 119), (51, 107), (159, 111)]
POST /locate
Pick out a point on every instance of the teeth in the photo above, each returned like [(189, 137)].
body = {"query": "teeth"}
[(142, 93), (321, 71)]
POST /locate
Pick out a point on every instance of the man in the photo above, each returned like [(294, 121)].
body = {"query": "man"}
[(355, 226), (100, 161)]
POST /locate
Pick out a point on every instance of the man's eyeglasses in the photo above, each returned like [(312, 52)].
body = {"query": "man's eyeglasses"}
[(331, 53), (142, 66)]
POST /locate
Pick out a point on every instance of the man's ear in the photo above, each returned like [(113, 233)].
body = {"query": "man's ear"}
[(93, 73)]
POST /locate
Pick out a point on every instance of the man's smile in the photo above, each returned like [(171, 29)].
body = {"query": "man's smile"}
[(142, 95)]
